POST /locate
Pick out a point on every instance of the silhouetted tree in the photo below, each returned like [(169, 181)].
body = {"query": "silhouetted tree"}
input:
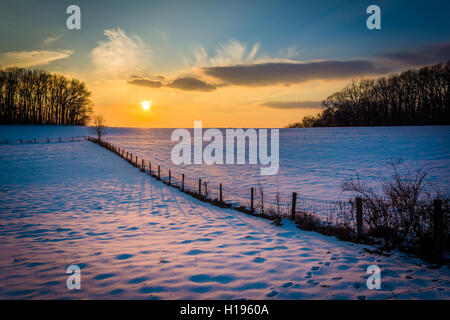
[(38, 97), (414, 97), (99, 125)]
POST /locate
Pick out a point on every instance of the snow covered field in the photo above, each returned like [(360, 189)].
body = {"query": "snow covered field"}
[(314, 162), (134, 237)]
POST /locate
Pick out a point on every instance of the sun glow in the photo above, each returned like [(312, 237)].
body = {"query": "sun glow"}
[(146, 105)]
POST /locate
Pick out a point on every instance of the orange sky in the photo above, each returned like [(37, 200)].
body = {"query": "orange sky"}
[(232, 106)]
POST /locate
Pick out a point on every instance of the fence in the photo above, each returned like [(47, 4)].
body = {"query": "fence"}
[(319, 215), (46, 140)]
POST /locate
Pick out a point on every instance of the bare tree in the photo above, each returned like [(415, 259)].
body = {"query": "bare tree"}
[(99, 125), (38, 97), (414, 97)]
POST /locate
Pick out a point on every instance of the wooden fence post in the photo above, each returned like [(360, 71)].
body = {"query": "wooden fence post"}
[(437, 230), (159, 172), (294, 204), (182, 182), (136, 161), (220, 193), (359, 218), (143, 165), (149, 168), (170, 177), (251, 200), (199, 187)]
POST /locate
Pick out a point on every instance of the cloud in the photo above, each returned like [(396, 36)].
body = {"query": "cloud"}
[(49, 40), (234, 52), (191, 84), (272, 73), (229, 53), (145, 83), (120, 55), (292, 104), (427, 54), (25, 59)]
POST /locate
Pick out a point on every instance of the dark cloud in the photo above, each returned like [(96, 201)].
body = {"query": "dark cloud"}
[(285, 73), (428, 54), (292, 104), (145, 83), (191, 84)]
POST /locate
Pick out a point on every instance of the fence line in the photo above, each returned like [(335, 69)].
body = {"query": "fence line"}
[(328, 217), (327, 211), (46, 140)]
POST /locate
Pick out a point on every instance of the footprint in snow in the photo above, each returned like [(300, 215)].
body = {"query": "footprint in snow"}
[(259, 260), (124, 256), (271, 294), (287, 284)]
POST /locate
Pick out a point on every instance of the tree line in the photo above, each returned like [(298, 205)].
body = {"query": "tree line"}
[(414, 97), (39, 97)]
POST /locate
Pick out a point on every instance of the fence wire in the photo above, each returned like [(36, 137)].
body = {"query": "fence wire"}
[(46, 140), (328, 212)]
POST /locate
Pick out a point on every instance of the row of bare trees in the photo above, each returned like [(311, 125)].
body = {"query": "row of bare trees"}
[(414, 97), (39, 97)]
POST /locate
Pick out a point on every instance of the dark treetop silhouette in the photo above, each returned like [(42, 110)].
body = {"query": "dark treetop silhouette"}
[(39, 97), (414, 97)]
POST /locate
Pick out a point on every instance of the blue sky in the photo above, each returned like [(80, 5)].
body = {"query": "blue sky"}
[(319, 29)]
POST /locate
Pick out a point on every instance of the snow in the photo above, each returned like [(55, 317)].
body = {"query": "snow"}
[(136, 238), (314, 162)]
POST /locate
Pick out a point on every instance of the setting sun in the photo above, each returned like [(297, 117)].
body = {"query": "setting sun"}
[(146, 105)]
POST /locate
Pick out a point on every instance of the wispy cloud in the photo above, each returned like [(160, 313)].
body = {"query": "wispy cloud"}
[(229, 53), (49, 40), (25, 59), (121, 55), (235, 52), (292, 104)]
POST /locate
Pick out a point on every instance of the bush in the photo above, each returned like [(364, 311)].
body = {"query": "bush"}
[(401, 209)]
